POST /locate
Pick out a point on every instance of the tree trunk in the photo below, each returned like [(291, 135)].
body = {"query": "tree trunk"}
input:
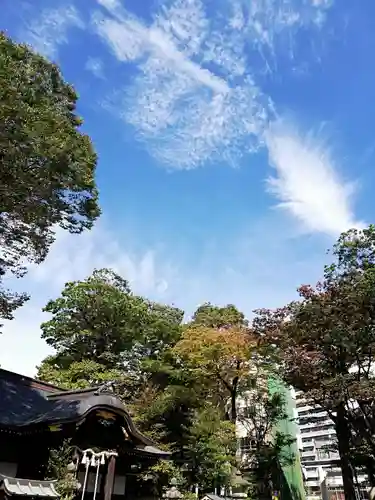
[(343, 439), (233, 400), (233, 407)]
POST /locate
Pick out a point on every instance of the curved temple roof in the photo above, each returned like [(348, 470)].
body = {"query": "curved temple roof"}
[(28, 487), (27, 402)]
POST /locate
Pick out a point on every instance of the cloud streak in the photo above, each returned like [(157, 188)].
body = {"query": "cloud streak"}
[(50, 30), (196, 97), (95, 66), (307, 183), (184, 112)]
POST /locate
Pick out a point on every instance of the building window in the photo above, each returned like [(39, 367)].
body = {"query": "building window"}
[(326, 437), (323, 453), (317, 428), (247, 444), (312, 420)]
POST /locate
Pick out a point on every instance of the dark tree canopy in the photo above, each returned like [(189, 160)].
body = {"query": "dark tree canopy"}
[(47, 165)]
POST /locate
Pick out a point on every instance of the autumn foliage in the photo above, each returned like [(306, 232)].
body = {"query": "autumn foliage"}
[(219, 357)]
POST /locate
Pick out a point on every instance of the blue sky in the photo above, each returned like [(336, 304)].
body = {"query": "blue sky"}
[(235, 142)]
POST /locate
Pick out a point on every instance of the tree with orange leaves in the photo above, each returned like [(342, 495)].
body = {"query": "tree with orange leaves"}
[(218, 358)]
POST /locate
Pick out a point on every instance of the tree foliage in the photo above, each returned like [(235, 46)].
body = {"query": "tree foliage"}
[(57, 469), (212, 447), (261, 412), (218, 358), (181, 404), (264, 418), (212, 316), (326, 341), (47, 165), (100, 330), (160, 476), (182, 383)]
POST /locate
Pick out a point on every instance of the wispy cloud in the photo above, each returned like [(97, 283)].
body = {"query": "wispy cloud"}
[(307, 183), (272, 25), (184, 112), (74, 258), (50, 29), (195, 99), (95, 66)]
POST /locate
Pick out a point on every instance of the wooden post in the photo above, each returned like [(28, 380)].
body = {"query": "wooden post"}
[(110, 478)]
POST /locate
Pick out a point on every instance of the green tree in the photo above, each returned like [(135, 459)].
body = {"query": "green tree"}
[(47, 165), (159, 477), (172, 404), (212, 448), (219, 317), (164, 407), (268, 460), (326, 343), (57, 469), (268, 448), (100, 330)]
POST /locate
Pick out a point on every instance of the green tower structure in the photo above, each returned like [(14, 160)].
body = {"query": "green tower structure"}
[(289, 484)]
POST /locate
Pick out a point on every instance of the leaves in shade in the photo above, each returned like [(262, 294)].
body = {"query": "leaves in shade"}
[(47, 165)]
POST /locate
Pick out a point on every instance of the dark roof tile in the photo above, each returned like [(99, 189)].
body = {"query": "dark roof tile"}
[(26, 402)]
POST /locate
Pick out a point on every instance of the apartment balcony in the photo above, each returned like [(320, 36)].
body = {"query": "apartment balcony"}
[(312, 423), (308, 457), (311, 412), (329, 433), (316, 496), (334, 481), (312, 482), (311, 474)]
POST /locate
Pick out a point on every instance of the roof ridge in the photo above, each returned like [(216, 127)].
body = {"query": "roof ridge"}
[(68, 392), (26, 378)]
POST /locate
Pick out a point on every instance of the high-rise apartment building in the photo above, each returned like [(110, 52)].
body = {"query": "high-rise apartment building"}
[(318, 453), (316, 441), (289, 484), (315, 449)]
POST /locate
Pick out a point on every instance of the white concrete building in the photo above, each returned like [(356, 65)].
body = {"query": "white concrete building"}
[(320, 462), (315, 437)]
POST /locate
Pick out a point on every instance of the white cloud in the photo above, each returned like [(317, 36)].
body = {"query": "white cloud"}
[(74, 257), (195, 99), (272, 25), (95, 66), (187, 115), (307, 183), (50, 29)]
